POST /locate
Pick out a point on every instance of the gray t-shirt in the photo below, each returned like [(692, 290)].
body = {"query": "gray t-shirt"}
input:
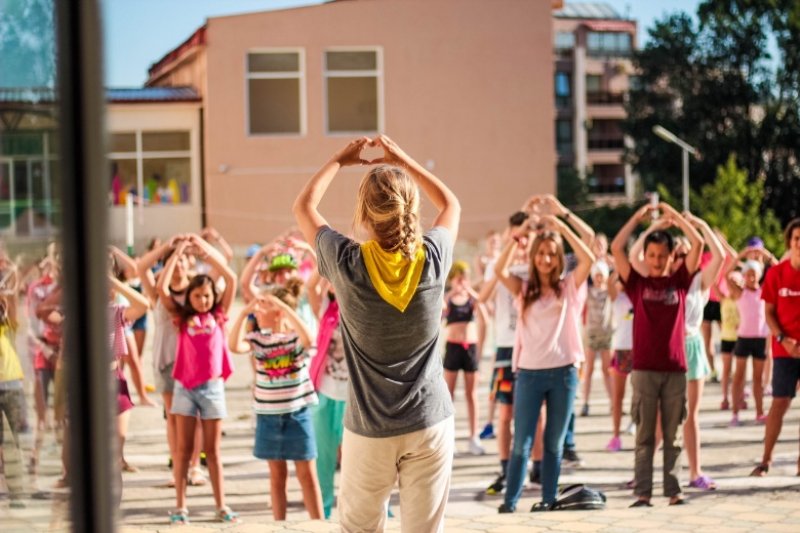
[(396, 382)]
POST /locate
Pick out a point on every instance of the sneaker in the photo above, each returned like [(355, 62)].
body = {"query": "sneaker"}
[(631, 429), (488, 432), (734, 423), (475, 447), (761, 419), (570, 458), (585, 410), (498, 486), (503, 509), (614, 445)]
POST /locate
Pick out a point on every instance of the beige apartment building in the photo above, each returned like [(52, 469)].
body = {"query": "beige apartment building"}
[(592, 47), (464, 86)]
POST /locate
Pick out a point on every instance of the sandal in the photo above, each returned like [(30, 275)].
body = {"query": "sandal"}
[(703, 483), (225, 514), (760, 470), (196, 477), (640, 503), (179, 517)]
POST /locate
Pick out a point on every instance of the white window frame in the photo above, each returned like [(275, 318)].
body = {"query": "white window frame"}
[(299, 75), (139, 155), (377, 73)]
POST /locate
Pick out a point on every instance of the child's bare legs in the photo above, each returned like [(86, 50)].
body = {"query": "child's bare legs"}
[(277, 484), (212, 435), (607, 380), (450, 378), (740, 368), (758, 386), (184, 444), (312, 497), (122, 433), (618, 395), (725, 378), (705, 329), (588, 367), (691, 427), (470, 382)]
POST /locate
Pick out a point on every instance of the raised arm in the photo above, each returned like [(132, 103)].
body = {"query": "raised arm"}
[(314, 289), (211, 235), (692, 261), (138, 302), (145, 264), (248, 276), (297, 323), (236, 342), (583, 229), (162, 287), (714, 267), (218, 261), (442, 198), (581, 249), (306, 205), (621, 240), (126, 263), (501, 272)]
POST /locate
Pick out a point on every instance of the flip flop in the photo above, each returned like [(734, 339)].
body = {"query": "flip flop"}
[(703, 483), (640, 503)]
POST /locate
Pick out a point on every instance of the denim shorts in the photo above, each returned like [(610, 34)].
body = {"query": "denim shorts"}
[(206, 400), (286, 437)]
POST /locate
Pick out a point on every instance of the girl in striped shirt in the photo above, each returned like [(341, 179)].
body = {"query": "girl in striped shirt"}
[(282, 395)]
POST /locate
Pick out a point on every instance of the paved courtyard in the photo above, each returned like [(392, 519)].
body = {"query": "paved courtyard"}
[(740, 503)]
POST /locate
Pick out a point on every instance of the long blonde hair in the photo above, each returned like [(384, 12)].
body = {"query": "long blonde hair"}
[(388, 204)]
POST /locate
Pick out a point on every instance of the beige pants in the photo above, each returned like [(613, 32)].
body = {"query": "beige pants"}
[(422, 460)]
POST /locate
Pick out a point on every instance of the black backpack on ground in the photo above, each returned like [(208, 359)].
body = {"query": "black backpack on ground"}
[(579, 498)]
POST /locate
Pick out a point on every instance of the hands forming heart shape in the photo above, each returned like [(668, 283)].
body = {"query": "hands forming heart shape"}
[(353, 153)]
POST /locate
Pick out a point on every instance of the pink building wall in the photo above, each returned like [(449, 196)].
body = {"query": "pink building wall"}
[(467, 88)]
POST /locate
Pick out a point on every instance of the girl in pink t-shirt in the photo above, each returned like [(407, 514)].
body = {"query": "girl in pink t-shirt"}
[(547, 348), (751, 337), (202, 364)]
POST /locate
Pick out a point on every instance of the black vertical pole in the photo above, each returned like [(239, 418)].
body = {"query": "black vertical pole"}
[(84, 197)]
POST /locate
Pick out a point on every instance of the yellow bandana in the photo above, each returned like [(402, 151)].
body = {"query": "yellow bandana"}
[(393, 276)]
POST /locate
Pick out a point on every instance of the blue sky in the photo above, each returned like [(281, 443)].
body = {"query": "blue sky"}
[(138, 33)]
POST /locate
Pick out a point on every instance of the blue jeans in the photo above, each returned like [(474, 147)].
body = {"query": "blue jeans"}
[(556, 387)]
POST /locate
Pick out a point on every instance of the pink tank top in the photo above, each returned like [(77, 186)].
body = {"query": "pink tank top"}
[(202, 353), (752, 316)]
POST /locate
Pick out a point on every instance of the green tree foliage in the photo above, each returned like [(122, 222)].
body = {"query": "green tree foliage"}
[(714, 85), (734, 204), (571, 189)]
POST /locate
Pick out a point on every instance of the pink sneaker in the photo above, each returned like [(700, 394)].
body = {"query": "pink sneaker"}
[(614, 445), (734, 423), (761, 419)]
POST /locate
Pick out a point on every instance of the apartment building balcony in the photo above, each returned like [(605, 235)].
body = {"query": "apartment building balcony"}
[(605, 98), (606, 144)]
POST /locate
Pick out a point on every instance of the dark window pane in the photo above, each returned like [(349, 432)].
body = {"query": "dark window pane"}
[(352, 104), (122, 142), (273, 62), (351, 60), (274, 106), (165, 141)]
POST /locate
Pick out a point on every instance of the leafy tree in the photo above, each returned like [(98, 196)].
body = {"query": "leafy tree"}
[(571, 189), (712, 84), (733, 204)]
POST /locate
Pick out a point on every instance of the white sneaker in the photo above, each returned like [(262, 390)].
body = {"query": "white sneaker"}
[(475, 447)]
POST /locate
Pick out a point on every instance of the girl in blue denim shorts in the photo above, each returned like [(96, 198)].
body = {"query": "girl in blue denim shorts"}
[(283, 393)]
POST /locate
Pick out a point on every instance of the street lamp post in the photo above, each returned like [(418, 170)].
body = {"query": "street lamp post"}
[(687, 149)]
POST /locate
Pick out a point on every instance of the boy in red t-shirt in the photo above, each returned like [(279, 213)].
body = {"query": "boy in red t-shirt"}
[(781, 294), (659, 356)]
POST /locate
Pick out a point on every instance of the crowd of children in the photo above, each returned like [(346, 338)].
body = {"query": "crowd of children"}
[(640, 311)]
